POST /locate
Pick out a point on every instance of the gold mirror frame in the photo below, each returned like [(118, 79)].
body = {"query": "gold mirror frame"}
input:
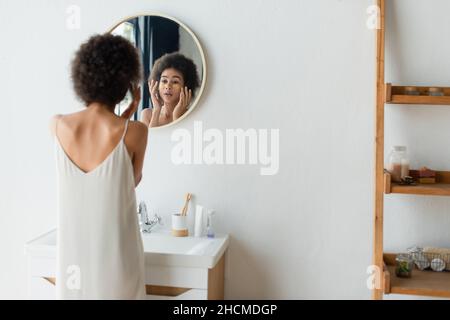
[(202, 55)]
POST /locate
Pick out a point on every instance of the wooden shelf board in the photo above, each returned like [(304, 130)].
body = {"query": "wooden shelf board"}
[(405, 99), (421, 283), (436, 189), (441, 188), (396, 95)]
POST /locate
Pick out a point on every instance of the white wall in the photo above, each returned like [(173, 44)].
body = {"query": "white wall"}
[(305, 67)]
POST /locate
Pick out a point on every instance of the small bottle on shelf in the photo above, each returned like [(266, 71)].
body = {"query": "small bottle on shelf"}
[(412, 91), (398, 163), (435, 92)]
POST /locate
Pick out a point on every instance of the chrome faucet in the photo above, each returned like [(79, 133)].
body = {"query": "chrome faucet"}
[(147, 225)]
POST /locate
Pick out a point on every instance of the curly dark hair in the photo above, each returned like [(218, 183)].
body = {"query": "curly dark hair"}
[(104, 68), (180, 63)]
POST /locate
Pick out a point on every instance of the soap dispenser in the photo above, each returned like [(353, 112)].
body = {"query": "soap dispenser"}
[(209, 228)]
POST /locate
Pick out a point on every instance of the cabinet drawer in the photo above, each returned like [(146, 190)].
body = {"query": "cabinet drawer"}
[(182, 277), (41, 267), (191, 294), (41, 289)]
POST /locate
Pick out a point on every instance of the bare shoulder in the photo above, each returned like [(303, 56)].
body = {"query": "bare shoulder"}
[(138, 131), (146, 116), (138, 127), (146, 112), (53, 121), (65, 119)]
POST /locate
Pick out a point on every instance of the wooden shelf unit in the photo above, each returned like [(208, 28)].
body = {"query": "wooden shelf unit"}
[(422, 283), (397, 95), (440, 188)]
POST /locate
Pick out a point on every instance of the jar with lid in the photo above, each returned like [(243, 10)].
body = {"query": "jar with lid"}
[(398, 163), (435, 92), (404, 265), (412, 91)]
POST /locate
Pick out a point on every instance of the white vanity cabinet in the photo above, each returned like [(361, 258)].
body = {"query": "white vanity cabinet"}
[(175, 267)]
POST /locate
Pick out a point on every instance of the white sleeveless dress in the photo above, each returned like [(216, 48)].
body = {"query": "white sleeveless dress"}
[(100, 252)]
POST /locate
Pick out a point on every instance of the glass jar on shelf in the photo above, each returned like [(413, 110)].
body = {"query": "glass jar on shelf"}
[(438, 92), (412, 91), (398, 163), (404, 265)]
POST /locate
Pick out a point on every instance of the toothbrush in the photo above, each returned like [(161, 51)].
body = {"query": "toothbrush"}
[(188, 197)]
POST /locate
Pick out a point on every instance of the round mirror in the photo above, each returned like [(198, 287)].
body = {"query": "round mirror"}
[(174, 68)]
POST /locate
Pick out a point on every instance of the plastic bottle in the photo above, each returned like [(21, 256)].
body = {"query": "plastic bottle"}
[(209, 228), (199, 221)]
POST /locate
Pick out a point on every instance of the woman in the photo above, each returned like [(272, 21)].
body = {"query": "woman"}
[(100, 157), (172, 83)]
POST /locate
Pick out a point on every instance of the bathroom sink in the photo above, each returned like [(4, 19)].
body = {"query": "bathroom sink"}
[(160, 247)]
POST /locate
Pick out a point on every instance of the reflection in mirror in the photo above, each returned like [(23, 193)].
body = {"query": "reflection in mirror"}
[(173, 65)]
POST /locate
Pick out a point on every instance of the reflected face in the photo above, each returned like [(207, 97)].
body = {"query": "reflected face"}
[(170, 85)]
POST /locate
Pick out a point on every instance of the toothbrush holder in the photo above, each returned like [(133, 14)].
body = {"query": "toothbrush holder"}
[(179, 225)]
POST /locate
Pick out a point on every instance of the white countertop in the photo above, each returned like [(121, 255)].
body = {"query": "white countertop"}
[(160, 247)]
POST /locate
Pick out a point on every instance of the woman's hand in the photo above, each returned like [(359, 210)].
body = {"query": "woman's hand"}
[(136, 94), (154, 95), (181, 107), (156, 103)]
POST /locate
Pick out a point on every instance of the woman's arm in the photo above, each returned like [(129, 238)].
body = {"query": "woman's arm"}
[(136, 93), (140, 139), (146, 116)]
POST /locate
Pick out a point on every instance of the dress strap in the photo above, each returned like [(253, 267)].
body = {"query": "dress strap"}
[(56, 128), (125, 131)]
